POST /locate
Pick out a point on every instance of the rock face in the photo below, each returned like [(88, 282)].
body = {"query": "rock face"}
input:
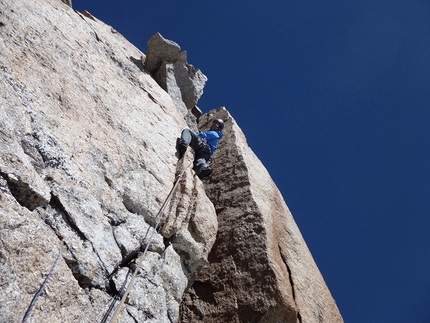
[(67, 2), (87, 160), (260, 269), (172, 72)]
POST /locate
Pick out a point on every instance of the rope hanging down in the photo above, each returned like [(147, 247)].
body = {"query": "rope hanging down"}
[(158, 218), (42, 287)]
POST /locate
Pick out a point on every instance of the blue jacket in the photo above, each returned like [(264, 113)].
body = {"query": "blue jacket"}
[(212, 138)]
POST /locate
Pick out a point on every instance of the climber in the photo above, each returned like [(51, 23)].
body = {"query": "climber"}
[(204, 145)]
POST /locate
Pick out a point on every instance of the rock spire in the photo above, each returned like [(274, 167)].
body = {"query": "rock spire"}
[(88, 125), (260, 269)]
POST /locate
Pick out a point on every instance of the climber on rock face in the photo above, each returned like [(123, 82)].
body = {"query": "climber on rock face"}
[(204, 145)]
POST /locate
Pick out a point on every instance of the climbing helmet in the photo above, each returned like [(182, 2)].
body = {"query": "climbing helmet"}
[(219, 122)]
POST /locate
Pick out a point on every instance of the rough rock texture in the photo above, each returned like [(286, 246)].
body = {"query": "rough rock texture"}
[(159, 50), (172, 72), (86, 161), (260, 269), (27, 251), (67, 2)]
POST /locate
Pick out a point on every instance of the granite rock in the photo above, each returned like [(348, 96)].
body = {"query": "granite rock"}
[(172, 72), (86, 162), (260, 269)]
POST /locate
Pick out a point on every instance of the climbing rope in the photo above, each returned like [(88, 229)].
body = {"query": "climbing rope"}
[(116, 297), (158, 219), (42, 287)]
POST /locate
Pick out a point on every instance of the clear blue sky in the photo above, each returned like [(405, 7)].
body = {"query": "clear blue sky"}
[(334, 98)]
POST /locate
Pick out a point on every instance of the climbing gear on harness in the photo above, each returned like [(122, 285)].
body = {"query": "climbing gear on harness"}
[(203, 143), (42, 287), (158, 219)]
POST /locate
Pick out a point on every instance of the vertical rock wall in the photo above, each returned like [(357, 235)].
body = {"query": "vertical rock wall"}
[(260, 268), (86, 161)]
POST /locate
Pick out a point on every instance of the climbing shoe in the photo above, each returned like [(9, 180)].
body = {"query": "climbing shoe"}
[(180, 148), (205, 172)]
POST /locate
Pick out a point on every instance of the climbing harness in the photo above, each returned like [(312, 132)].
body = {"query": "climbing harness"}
[(158, 219), (42, 287)]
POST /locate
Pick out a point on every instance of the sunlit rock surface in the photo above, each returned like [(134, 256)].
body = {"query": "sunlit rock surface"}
[(87, 159)]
